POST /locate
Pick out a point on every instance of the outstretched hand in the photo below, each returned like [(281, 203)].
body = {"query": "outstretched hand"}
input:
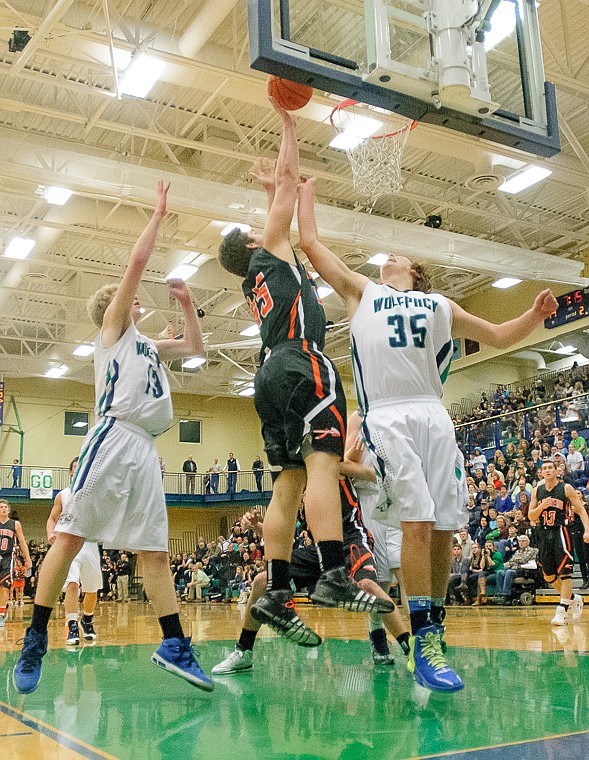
[(545, 304), (287, 117), (162, 198), (264, 171), (180, 291), (306, 184)]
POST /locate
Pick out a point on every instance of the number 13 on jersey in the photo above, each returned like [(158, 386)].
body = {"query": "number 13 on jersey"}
[(417, 330)]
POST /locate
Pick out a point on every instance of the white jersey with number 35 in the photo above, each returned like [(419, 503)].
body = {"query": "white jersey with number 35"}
[(131, 383), (401, 344)]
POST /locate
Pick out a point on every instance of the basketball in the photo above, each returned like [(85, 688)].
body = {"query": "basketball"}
[(289, 95)]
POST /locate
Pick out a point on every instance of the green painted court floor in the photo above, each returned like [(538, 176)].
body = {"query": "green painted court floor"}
[(328, 703)]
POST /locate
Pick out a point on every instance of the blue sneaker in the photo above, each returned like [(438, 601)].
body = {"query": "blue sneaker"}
[(427, 663), (176, 656), (27, 671)]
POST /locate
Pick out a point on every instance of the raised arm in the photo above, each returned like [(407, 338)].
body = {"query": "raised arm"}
[(23, 545), (277, 228), (507, 333), (191, 343), (349, 285), (54, 516), (264, 171), (117, 316)]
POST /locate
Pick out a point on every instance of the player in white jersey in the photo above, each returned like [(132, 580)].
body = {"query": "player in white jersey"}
[(117, 493), (387, 540), (401, 352), (84, 573)]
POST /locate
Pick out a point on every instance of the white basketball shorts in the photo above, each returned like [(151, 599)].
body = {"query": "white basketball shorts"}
[(387, 540), (85, 569), (415, 455), (117, 494)]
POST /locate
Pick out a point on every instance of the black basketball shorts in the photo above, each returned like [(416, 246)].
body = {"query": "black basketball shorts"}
[(555, 554), (300, 401)]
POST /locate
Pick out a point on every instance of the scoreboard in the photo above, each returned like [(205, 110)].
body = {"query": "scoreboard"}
[(571, 306)]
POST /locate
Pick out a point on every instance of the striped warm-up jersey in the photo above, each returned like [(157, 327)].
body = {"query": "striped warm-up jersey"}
[(131, 383), (284, 301), (401, 344)]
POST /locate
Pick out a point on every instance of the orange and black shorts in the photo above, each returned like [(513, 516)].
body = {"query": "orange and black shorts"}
[(555, 553), (5, 571), (301, 403)]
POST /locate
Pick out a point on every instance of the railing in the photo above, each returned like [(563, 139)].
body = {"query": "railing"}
[(497, 431), (175, 483)]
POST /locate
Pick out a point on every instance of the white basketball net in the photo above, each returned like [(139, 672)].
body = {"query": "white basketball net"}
[(376, 161)]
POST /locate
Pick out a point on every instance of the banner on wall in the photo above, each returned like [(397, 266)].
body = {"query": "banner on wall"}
[(1, 404), (41, 484)]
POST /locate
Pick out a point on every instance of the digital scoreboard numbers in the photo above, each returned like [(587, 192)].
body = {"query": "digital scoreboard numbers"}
[(571, 306)]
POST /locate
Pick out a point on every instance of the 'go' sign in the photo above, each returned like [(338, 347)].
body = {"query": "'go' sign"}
[(41, 484)]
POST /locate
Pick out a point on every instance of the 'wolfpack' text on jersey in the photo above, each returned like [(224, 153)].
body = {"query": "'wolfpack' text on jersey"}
[(410, 331), (131, 384), (283, 300)]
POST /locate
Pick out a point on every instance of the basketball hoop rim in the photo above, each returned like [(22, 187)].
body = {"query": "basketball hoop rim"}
[(349, 102)]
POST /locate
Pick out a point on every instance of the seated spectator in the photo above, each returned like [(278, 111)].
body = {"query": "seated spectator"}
[(474, 516), (503, 523), (477, 585), (503, 502), (521, 487), (510, 452), (199, 581), (494, 477), (483, 493), (546, 451), (478, 460), (457, 585), (511, 545), (575, 464), (201, 550), (492, 517), (493, 561), (481, 534), (506, 575), (521, 522), (465, 542), (510, 479)]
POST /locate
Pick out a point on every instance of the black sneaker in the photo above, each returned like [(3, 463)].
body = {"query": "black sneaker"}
[(381, 654), (88, 629), (73, 636), (276, 609), (335, 588)]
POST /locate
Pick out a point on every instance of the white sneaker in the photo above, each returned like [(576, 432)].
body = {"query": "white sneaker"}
[(577, 607), (560, 616), (237, 661), (2, 620)]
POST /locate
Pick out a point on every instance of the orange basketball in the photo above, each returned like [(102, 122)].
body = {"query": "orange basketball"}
[(289, 95)]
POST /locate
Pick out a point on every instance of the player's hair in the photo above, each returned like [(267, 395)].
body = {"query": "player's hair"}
[(234, 255), (74, 460), (99, 302), (421, 280), (3, 502)]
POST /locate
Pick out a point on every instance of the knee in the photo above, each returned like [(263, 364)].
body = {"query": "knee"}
[(69, 543), (417, 532)]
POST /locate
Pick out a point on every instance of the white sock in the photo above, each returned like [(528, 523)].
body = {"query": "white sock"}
[(375, 622), (71, 616)]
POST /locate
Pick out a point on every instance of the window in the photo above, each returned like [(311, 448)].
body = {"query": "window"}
[(471, 347), (75, 423), (189, 431)]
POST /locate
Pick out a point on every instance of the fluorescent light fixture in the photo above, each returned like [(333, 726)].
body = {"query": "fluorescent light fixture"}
[(236, 206), (58, 196), (80, 424), (566, 350), (323, 291), (378, 259), (56, 371), (141, 76), (248, 391), (182, 272), (84, 349), (235, 226), (193, 363), (502, 24), (506, 282), (346, 141), (19, 248), (524, 179), (250, 331)]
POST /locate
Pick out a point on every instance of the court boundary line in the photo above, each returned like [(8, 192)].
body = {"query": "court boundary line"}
[(451, 752), (63, 739)]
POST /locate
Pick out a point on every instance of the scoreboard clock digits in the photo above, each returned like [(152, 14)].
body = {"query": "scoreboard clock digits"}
[(571, 306)]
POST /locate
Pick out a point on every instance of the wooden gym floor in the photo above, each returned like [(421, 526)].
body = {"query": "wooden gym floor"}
[(526, 692)]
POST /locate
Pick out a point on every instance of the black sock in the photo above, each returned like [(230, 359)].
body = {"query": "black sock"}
[(564, 604), (88, 619), (438, 613), (278, 575), (247, 640), (331, 554), (171, 627), (419, 619), (403, 640), (379, 639), (41, 617)]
